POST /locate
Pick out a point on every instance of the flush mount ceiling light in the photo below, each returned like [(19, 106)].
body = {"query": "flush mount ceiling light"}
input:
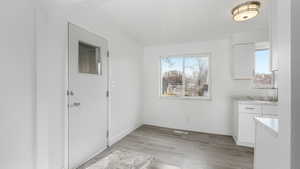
[(246, 11)]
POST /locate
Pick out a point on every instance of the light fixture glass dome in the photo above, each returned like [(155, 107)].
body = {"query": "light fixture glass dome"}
[(246, 11)]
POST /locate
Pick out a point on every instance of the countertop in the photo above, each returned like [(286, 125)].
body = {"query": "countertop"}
[(271, 124), (258, 102), (255, 100)]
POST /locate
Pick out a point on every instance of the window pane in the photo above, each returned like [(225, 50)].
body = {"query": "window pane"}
[(88, 58), (171, 74), (263, 74), (263, 62), (186, 76), (196, 76)]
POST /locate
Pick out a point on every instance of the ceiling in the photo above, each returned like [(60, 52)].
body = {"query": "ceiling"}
[(171, 21)]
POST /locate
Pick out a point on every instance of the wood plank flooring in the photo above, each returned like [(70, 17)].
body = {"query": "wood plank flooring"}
[(192, 151)]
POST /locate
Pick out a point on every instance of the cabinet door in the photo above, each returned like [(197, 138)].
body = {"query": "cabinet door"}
[(247, 128), (271, 110), (243, 61)]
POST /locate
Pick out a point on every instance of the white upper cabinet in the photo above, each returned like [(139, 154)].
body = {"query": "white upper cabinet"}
[(243, 52), (243, 61), (273, 33)]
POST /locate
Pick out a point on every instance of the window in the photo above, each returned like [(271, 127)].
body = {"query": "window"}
[(185, 76), (263, 74), (89, 59)]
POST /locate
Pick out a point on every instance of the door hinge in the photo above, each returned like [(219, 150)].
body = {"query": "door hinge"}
[(70, 93), (107, 54), (107, 93)]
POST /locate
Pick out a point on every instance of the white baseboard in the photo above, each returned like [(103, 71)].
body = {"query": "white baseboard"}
[(245, 144), (240, 143), (100, 150), (189, 129), (115, 139)]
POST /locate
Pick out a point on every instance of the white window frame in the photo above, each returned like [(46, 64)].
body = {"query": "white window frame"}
[(206, 55)]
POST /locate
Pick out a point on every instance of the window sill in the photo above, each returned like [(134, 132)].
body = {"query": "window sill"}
[(185, 98), (267, 88)]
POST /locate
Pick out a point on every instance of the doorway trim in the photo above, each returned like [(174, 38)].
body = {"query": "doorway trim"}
[(66, 91)]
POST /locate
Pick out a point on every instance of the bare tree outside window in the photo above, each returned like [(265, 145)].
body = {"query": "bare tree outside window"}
[(185, 76)]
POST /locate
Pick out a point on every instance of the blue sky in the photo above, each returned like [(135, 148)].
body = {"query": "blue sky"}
[(262, 61), (176, 64)]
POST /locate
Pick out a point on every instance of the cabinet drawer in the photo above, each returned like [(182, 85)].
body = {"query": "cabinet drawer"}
[(250, 108)]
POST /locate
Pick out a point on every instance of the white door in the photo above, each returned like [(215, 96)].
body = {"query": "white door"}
[(88, 77)]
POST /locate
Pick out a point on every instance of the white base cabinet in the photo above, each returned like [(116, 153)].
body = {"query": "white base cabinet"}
[(244, 123)]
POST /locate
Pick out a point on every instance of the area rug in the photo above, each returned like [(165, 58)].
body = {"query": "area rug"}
[(121, 159)]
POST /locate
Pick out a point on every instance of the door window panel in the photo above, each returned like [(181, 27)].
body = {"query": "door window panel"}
[(89, 59)]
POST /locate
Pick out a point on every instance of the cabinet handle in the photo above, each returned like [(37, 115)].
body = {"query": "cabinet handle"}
[(250, 108)]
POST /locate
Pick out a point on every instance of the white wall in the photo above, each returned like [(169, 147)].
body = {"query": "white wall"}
[(51, 78), (213, 116), (259, 35), (17, 97), (17, 49), (284, 84), (295, 52)]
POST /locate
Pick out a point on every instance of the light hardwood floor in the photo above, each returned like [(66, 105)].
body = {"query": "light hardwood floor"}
[(192, 151)]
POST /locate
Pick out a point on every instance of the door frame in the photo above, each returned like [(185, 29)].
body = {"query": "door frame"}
[(66, 107)]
